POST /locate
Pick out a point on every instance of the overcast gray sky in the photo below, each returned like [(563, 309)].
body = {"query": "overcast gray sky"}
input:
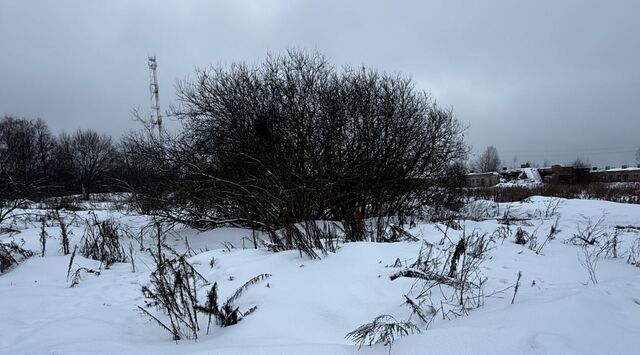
[(540, 80)]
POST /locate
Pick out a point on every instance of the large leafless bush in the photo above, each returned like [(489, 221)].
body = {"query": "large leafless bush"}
[(295, 139)]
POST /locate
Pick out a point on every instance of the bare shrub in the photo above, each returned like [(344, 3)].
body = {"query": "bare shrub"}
[(589, 232), (550, 207), (479, 210), (503, 233), (609, 244), (226, 166), (227, 314), (589, 261), (11, 254), (326, 233), (454, 271), (553, 232), (384, 329), (354, 230), (511, 216), (471, 290), (478, 245), (426, 313), (532, 243), (173, 289), (102, 241), (296, 237), (394, 233), (522, 237), (313, 238), (634, 253), (76, 276), (64, 232), (379, 230)]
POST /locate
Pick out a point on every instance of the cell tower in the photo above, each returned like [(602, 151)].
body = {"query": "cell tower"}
[(155, 119)]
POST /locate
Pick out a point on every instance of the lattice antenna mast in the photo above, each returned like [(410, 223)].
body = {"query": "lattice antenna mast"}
[(155, 119)]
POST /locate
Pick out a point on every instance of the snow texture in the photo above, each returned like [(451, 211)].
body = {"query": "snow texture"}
[(308, 306)]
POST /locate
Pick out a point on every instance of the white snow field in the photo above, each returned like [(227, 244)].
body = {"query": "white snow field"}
[(308, 306)]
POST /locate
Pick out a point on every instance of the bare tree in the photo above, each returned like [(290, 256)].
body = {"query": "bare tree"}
[(488, 161), (24, 153), (14, 195), (93, 156), (63, 173), (580, 163), (25, 147)]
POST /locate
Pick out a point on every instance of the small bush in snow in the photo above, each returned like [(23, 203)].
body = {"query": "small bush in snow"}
[(76, 276), (11, 254), (550, 207), (394, 233), (173, 290), (480, 210), (101, 241), (503, 232), (589, 261), (296, 237), (453, 271), (479, 244), (424, 312), (609, 245), (634, 253), (384, 329), (553, 232), (307, 237), (354, 230), (173, 287), (522, 237), (227, 314), (589, 232)]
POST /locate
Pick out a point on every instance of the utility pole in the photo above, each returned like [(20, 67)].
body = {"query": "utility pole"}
[(155, 119)]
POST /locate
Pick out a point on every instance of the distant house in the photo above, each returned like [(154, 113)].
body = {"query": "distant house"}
[(554, 175), (624, 174), (524, 175), (568, 175), (482, 179)]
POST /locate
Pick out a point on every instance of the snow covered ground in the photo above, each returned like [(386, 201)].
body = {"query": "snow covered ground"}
[(308, 306)]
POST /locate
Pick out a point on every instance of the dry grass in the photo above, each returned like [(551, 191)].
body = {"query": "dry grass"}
[(624, 193)]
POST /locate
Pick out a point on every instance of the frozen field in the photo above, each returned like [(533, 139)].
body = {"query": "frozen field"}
[(308, 305)]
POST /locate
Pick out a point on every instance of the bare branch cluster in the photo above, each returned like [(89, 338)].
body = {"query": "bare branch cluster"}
[(294, 139)]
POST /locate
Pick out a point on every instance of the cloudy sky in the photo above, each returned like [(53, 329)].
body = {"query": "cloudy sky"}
[(540, 80)]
